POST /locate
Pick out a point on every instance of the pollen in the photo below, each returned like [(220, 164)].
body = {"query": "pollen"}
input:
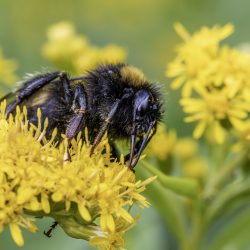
[(132, 75)]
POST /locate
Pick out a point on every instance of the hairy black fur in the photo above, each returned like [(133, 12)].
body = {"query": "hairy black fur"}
[(88, 102), (103, 87)]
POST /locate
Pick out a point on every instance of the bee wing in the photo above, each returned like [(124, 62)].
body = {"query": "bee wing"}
[(10, 97), (28, 86)]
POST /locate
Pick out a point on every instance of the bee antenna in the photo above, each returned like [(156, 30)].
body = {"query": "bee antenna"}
[(98, 138)]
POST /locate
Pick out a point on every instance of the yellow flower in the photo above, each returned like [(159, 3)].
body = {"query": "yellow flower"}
[(64, 46), (242, 138), (195, 56), (215, 79), (185, 148), (195, 167), (69, 51), (7, 68), (212, 109), (230, 69), (97, 56), (166, 144), (114, 240), (163, 143), (88, 196)]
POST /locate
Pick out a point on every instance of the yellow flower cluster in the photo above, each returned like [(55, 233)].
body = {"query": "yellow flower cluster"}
[(7, 68), (70, 51), (214, 80), (167, 142), (166, 145), (90, 197)]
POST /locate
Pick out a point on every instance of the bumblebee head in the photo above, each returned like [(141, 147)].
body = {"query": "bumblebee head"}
[(145, 117), (128, 105), (140, 110)]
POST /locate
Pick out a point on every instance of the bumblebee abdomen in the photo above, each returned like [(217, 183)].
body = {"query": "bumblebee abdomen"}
[(53, 106)]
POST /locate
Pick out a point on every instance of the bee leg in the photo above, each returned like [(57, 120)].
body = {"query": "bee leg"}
[(132, 148), (77, 122), (66, 86), (35, 83), (127, 93), (136, 149), (75, 125), (139, 146), (114, 151), (52, 227), (105, 126), (143, 142)]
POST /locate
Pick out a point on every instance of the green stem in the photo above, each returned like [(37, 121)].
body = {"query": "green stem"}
[(236, 191), (183, 186), (169, 206), (223, 175), (198, 225)]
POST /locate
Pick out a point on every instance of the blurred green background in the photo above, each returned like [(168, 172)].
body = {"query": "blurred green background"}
[(145, 29)]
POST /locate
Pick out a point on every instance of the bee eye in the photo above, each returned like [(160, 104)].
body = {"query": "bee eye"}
[(142, 108), (141, 101)]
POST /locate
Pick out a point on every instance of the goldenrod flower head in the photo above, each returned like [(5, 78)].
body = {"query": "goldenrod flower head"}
[(185, 148), (205, 37), (215, 79), (69, 51), (163, 143), (7, 68), (195, 167), (88, 196), (242, 138), (60, 31), (64, 45), (113, 240), (166, 143), (195, 55), (95, 56), (212, 109)]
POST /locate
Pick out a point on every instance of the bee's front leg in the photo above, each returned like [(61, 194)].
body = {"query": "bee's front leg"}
[(52, 227)]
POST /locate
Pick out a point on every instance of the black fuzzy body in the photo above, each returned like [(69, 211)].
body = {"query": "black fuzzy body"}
[(55, 108), (103, 87), (88, 101)]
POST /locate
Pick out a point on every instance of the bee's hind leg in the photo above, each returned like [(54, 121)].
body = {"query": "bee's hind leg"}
[(52, 227)]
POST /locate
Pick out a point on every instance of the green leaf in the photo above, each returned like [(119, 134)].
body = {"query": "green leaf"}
[(234, 234), (183, 186), (168, 205), (232, 193)]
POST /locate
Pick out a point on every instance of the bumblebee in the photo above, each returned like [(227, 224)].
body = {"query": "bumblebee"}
[(113, 98)]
